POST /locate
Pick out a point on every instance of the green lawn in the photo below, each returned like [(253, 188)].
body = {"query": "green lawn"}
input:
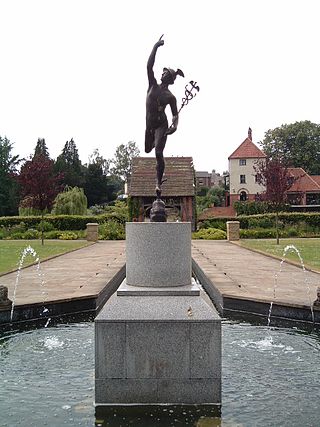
[(309, 249), (10, 251)]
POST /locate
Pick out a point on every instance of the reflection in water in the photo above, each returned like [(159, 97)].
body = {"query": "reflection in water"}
[(47, 378), (158, 416)]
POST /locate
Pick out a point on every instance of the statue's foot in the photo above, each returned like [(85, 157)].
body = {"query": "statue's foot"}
[(158, 191)]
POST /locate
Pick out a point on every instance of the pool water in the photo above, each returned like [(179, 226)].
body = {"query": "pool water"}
[(271, 377)]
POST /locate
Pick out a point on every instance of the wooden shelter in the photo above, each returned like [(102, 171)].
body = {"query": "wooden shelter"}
[(178, 192)]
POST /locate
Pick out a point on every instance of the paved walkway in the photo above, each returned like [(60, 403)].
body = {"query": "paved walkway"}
[(78, 274), (235, 271), (241, 273)]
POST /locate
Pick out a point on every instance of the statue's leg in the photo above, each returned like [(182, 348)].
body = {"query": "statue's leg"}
[(149, 140), (160, 142)]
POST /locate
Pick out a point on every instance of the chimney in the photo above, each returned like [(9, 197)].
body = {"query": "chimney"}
[(250, 134)]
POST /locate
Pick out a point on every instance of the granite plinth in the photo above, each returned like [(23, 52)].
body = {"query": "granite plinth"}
[(158, 254), (127, 290), (157, 349)]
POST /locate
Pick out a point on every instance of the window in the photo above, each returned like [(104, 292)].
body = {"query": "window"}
[(242, 179), (243, 196), (242, 162), (258, 178)]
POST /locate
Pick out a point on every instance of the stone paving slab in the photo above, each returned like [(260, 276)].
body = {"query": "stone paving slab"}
[(240, 273), (235, 271), (78, 274)]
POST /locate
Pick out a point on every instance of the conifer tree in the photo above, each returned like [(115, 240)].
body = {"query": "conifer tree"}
[(69, 163), (8, 183), (41, 149)]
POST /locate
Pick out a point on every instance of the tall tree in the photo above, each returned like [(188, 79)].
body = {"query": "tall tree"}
[(8, 183), (69, 163), (296, 145), (98, 159), (41, 148), (96, 182), (39, 185), (273, 174), (121, 163)]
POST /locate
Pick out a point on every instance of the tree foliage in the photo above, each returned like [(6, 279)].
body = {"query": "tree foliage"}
[(8, 183), (39, 183), (96, 183), (72, 201), (121, 163), (273, 174), (69, 163), (213, 197), (41, 149), (296, 145)]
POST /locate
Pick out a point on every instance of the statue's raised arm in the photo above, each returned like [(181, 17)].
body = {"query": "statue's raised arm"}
[(151, 60)]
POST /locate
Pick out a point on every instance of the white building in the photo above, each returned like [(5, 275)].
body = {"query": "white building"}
[(243, 178)]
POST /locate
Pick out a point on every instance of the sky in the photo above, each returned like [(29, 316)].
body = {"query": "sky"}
[(77, 69)]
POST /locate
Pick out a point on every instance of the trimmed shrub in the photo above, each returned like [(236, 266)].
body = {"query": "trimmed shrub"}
[(17, 235), (287, 219), (31, 234), (54, 234), (210, 234), (20, 228), (264, 233), (45, 226), (253, 208), (68, 236), (221, 222), (112, 230)]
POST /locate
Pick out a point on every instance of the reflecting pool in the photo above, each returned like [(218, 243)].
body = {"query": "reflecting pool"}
[(271, 377)]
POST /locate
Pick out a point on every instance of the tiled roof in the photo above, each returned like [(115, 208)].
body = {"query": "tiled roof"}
[(178, 171), (247, 150), (316, 178), (202, 174), (303, 181)]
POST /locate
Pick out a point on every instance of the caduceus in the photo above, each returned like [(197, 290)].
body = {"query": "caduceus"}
[(191, 90)]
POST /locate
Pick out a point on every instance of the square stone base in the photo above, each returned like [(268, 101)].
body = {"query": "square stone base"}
[(158, 349)]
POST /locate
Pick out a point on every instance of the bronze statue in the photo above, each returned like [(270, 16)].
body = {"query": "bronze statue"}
[(158, 97)]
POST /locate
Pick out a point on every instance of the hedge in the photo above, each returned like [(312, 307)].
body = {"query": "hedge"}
[(61, 222), (253, 207), (269, 233), (209, 234), (311, 219)]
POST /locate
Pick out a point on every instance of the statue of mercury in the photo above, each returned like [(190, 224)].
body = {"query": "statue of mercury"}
[(158, 97)]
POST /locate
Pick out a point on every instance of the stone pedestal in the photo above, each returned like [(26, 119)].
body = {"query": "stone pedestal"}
[(233, 230), (159, 342), (158, 254), (92, 232)]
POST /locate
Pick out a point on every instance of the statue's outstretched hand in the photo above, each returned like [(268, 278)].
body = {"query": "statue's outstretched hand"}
[(160, 42)]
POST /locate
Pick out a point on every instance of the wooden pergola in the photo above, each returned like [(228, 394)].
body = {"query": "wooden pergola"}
[(178, 192)]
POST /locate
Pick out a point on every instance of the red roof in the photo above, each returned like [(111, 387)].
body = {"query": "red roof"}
[(303, 181), (247, 150), (316, 178)]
